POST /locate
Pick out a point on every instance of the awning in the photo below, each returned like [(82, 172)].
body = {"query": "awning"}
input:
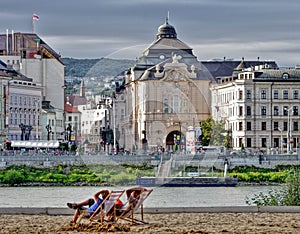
[(35, 144)]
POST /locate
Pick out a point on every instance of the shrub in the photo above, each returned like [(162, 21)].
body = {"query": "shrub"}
[(13, 177), (289, 195)]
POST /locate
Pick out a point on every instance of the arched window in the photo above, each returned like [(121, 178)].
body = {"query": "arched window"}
[(166, 106), (176, 104)]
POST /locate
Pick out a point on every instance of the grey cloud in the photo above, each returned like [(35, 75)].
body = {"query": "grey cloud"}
[(110, 26)]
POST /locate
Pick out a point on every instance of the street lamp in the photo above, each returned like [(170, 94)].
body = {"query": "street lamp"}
[(281, 141), (180, 135), (289, 130), (36, 100)]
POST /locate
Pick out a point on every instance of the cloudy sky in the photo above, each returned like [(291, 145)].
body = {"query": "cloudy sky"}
[(268, 29)]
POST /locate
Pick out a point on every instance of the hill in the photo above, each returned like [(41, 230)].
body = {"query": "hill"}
[(102, 67)]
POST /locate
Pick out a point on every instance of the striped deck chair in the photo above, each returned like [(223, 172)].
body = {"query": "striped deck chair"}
[(132, 208), (100, 213), (108, 207)]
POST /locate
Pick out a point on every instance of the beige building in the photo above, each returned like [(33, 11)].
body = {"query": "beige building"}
[(30, 55), (260, 107), (167, 90)]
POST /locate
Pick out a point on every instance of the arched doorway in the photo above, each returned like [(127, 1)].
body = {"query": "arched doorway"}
[(175, 141)]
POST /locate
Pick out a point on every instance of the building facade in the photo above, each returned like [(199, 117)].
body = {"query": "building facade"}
[(28, 54), (167, 90), (24, 110), (259, 107)]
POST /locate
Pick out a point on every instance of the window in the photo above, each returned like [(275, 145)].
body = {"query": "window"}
[(285, 94), (240, 95), (285, 126), (240, 111), (166, 106), (248, 94), (295, 110), (295, 127), (240, 142), (263, 94), (264, 126), (276, 142), (240, 126), (263, 142), (248, 126), (276, 111), (275, 94), (263, 110), (249, 143), (176, 104), (296, 94), (275, 126), (285, 110), (70, 118), (249, 110)]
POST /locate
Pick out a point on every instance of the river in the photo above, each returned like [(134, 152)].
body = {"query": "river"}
[(160, 197)]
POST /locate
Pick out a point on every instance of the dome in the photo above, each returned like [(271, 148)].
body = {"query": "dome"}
[(166, 31)]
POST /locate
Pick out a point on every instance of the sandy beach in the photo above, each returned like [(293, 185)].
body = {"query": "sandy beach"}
[(166, 223)]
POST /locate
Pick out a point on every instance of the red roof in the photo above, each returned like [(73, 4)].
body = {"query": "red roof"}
[(71, 109), (76, 100)]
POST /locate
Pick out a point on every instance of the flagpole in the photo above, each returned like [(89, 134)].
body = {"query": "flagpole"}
[(32, 24)]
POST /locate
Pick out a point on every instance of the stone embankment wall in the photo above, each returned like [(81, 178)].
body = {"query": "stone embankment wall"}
[(177, 160)]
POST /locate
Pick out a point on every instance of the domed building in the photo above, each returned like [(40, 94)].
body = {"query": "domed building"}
[(167, 90)]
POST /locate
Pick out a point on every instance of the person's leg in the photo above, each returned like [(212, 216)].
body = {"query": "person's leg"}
[(87, 202), (76, 214)]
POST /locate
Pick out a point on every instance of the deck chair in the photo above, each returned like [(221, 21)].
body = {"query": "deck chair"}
[(108, 208), (105, 206), (128, 213)]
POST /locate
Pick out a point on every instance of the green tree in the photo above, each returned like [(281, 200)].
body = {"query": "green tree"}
[(218, 133), (206, 127), (213, 132)]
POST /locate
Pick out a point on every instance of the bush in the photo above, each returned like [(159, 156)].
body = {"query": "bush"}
[(283, 196), (13, 177)]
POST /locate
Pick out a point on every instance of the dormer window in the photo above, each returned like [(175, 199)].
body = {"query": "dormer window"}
[(285, 76)]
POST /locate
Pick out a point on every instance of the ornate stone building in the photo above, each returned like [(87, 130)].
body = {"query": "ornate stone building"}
[(167, 90)]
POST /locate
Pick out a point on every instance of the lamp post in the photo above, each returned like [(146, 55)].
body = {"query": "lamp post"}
[(36, 119), (289, 130), (114, 121), (180, 136), (49, 130), (281, 141)]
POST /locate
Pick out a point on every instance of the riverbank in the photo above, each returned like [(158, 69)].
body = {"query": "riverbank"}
[(165, 223), (85, 184)]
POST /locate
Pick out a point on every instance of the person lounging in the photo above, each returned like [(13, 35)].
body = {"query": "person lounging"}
[(133, 196), (89, 206)]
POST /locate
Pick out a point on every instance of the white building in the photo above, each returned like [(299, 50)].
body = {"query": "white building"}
[(92, 123), (260, 107), (24, 109)]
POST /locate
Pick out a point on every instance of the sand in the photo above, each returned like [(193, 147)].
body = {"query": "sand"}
[(166, 223)]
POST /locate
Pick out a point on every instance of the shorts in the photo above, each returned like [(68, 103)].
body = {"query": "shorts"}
[(91, 202)]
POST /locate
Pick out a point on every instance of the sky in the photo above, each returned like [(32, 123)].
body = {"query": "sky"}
[(268, 29)]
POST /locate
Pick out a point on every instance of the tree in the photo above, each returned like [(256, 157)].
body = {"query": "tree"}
[(206, 127), (213, 132), (218, 133)]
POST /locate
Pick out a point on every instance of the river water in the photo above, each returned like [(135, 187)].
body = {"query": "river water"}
[(160, 197)]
